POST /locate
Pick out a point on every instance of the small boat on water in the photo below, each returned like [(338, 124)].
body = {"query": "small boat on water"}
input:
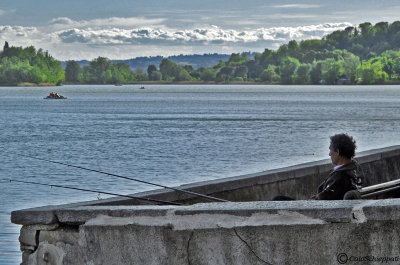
[(142, 87), (53, 95)]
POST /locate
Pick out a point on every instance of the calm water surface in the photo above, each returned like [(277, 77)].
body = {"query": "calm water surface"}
[(172, 135)]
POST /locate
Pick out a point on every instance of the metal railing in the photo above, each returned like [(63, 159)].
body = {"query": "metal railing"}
[(373, 190)]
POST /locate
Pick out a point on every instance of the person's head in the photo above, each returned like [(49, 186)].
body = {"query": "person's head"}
[(342, 148)]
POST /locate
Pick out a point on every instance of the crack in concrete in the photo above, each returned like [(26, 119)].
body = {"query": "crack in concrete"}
[(357, 213), (37, 236), (248, 245), (187, 247)]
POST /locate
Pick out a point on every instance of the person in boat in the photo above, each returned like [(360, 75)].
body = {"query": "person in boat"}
[(346, 175)]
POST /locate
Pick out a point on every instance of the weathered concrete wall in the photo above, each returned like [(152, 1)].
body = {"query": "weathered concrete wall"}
[(299, 232), (121, 231)]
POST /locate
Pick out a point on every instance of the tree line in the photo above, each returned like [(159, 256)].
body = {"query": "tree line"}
[(366, 54), (18, 65)]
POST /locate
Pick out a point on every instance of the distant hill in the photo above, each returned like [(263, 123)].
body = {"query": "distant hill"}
[(196, 60)]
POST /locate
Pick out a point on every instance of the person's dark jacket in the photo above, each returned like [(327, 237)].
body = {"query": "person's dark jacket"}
[(340, 181)]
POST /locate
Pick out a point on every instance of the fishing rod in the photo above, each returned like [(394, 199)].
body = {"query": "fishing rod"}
[(132, 179), (95, 191)]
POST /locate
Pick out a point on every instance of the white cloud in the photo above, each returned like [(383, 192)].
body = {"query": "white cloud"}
[(68, 39), (197, 36), (17, 31), (62, 21)]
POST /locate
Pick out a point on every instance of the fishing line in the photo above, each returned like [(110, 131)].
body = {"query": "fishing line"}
[(95, 191), (132, 179)]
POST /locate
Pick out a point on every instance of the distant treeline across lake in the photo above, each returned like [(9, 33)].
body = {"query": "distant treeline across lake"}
[(367, 54)]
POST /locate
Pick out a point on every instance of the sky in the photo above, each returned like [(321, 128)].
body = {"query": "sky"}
[(124, 29)]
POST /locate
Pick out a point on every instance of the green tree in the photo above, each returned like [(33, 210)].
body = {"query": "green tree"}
[(238, 59), (220, 65), (266, 58), (150, 69), (394, 34), (114, 76), (225, 74), (208, 75), (293, 49), (72, 71), (350, 65), (109, 78), (97, 70), (381, 31), (371, 74), (126, 75), (316, 73), (156, 76), (241, 71), (331, 71), (183, 75), (141, 75), (302, 74), (188, 68), (387, 63), (283, 51), (287, 69), (311, 45), (269, 74), (28, 65), (396, 67), (169, 69)]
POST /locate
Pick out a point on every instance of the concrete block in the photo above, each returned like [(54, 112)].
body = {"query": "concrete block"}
[(46, 254), (65, 235), (28, 233)]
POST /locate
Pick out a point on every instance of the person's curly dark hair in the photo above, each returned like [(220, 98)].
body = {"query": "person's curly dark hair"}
[(345, 144)]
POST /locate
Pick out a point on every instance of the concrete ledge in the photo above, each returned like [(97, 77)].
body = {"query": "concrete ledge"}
[(333, 212), (80, 215), (295, 232), (328, 211), (323, 211)]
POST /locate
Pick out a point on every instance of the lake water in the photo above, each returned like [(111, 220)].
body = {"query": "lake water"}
[(172, 135)]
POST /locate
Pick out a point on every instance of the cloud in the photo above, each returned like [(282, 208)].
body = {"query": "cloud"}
[(301, 6), (121, 22), (198, 36), (67, 39), (18, 31), (62, 21)]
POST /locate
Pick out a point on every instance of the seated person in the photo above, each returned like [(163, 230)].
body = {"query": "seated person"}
[(345, 175)]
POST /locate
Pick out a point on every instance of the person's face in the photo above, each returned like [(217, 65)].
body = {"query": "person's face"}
[(334, 155)]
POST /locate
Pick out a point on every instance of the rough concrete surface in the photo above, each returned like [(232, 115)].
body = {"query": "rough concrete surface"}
[(256, 233)]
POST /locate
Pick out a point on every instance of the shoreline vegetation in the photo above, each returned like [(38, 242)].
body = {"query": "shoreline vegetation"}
[(363, 55)]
